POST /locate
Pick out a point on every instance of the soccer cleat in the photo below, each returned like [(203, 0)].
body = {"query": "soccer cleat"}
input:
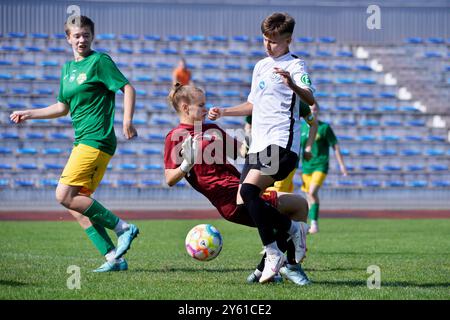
[(125, 239), (117, 265), (273, 263), (253, 278), (299, 240), (295, 274)]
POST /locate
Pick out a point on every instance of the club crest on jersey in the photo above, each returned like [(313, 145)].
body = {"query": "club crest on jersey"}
[(81, 78), (305, 79), (262, 84)]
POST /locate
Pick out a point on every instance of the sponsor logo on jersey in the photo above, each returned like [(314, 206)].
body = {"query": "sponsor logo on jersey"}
[(262, 84)]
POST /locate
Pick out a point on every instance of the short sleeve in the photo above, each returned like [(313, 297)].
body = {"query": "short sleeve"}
[(61, 91), (300, 76), (331, 137), (251, 96), (109, 74)]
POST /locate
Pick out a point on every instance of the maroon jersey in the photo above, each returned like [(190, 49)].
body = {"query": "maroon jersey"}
[(212, 175)]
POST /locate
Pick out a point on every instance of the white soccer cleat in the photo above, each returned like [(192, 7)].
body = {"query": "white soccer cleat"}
[(273, 263), (299, 240)]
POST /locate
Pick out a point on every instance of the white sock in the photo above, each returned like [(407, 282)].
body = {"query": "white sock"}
[(121, 227), (110, 255), (257, 273), (272, 248), (314, 223)]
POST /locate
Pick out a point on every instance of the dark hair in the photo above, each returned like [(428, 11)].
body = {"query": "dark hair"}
[(180, 93), (83, 21), (278, 23)]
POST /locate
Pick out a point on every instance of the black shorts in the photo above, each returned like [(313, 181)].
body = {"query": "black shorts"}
[(273, 161)]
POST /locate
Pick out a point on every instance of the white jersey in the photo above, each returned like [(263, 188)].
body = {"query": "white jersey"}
[(276, 108)]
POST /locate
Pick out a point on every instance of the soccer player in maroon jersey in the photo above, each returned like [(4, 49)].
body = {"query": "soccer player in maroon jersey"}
[(198, 152)]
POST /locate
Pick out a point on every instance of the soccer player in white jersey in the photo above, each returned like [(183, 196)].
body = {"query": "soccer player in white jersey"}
[(279, 82)]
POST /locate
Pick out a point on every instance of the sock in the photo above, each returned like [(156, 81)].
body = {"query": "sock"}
[(100, 215), (272, 248), (257, 273), (314, 211), (263, 214), (121, 227), (290, 252), (110, 256), (100, 239), (261, 264)]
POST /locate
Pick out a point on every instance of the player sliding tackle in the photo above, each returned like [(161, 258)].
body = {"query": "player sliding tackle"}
[(198, 152)]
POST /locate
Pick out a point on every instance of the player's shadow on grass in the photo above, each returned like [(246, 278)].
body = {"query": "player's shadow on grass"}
[(390, 284), (332, 269), (12, 283)]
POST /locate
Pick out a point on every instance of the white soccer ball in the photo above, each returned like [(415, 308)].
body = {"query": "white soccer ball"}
[(203, 242)]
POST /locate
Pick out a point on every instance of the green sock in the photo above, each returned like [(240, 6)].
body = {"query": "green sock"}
[(100, 238), (100, 215), (314, 212)]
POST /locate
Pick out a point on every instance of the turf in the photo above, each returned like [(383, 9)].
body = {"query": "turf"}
[(413, 256)]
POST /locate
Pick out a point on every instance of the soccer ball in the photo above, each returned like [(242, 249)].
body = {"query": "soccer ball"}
[(203, 242)]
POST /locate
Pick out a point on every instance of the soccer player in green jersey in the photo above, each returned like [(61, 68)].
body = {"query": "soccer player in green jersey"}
[(88, 86), (315, 170)]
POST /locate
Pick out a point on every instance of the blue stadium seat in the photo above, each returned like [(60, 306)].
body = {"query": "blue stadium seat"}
[(106, 36), (388, 152), (103, 50), (390, 137), (128, 166), (60, 136), (305, 39), (367, 167), (438, 167), (415, 167), (128, 36), (345, 81), (347, 122), (393, 123), (321, 94), (387, 108), (344, 137), (175, 37), (367, 137), (436, 40), (416, 123), (363, 67), (152, 152), (156, 136), (215, 52), (5, 166), (4, 183), (127, 183), (344, 108), (40, 35), (218, 38), (16, 35), (24, 183), (347, 183), (151, 183), (342, 67), (192, 52), (387, 95), (440, 183), (27, 166), (371, 183), (432, 55), (53, 166), (127, 152), (434, 152), (323, 53), (366, 108), (417, 184), (124, 50), (161, 121), (164, 78), (436, 138), (366, 95), (9, 136), (344, 53), (26, 63), (52, 151), (152, 167), (302, 53), (240, 38), (165, 65), (394, 183), (367, 81), (391, 167), (327, 39), (411, 152), (152, 37), (413, 138), (370, 123), (343, 94), (4, 151), (345, 152), (257, 53), (144, 78), (49, 182), (26, 151), (365, 152), (414, 40), (106, 183), (319, 67), (322, 81)]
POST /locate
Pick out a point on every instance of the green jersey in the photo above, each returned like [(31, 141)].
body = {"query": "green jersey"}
[(320, 150), (89, 88)]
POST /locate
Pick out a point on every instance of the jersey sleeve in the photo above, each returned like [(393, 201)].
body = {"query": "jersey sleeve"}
[(301, 77), (251, 95), (172, 151), (331, 137), (60, 94), (109, 74)]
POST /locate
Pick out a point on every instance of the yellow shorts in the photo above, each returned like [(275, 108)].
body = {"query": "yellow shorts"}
[(316, 177), (285, 185), (85, 167)]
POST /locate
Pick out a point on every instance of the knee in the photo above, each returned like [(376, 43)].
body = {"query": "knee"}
[(249, 191), (63, 198)]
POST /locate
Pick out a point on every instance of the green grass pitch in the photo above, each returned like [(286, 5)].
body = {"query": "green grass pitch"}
[(413, 257)]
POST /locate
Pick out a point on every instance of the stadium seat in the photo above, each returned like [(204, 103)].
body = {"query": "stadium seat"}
[(128, 166), (126, 183), (53, 166), (152, 167), (394, 183), (371, 183), (26, 151), (415, 167), (27, 166)]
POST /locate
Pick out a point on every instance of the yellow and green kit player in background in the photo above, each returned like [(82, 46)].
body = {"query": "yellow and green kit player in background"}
[(314, 170), (88, 86)]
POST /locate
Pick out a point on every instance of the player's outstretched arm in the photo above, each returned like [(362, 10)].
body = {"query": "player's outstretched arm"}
[(56, 110), (244, 109), (340, 159), (129, 101)]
